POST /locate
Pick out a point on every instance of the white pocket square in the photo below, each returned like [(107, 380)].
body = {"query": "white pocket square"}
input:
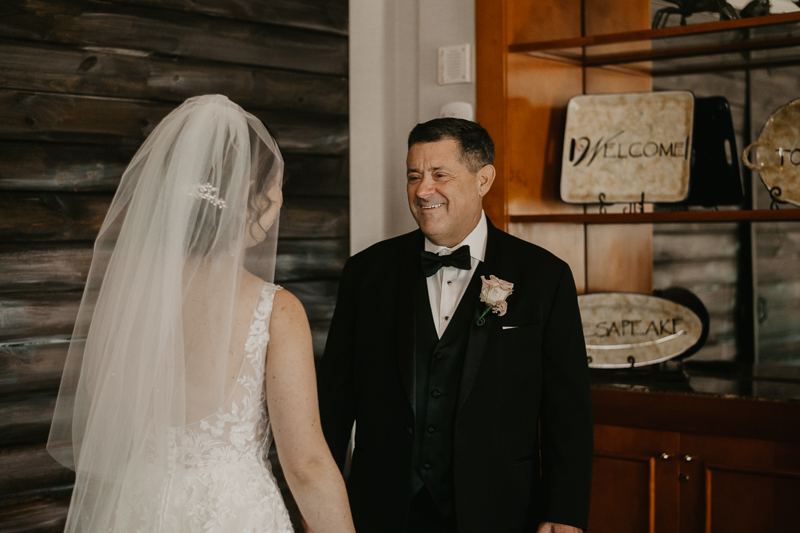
[(510, 327)]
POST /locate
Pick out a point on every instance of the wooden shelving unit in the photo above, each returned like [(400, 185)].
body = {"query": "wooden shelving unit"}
[(776, 31), (770, 41), (659, 465), (528, 70), (621, 61)]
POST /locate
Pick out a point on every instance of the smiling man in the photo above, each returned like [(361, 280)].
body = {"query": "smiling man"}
[(463, 423)]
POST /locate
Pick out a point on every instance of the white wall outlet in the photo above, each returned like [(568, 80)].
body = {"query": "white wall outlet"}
[(454, 64)]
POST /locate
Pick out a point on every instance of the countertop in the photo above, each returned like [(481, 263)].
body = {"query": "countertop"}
[(718, 379)]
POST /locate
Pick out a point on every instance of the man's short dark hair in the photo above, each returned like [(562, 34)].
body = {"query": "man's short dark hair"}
[(475, 143)]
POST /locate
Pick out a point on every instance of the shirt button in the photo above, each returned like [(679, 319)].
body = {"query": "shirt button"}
[(435, 393), (449, 282), (430, 430), (447, 318)]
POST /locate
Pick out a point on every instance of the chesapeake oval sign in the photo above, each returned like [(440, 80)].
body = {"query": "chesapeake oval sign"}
[(629, 330)]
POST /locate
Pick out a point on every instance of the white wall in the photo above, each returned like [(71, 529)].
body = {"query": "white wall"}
[(393, 61), (443, 23)]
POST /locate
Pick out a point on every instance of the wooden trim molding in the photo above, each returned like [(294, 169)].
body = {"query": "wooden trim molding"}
[(702, 415)]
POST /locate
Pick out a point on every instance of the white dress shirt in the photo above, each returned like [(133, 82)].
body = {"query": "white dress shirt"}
[(446, 287)]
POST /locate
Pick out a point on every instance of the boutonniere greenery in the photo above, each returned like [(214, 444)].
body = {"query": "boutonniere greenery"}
[(494, 292)]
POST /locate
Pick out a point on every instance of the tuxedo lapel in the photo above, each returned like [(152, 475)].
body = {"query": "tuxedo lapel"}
[(478, 335), (405, 320)]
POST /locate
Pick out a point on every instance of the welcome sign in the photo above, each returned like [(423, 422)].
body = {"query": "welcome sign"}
[(630, 330), (620, 146)]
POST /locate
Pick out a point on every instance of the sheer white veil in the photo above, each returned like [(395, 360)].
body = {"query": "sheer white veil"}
[(151, 350)]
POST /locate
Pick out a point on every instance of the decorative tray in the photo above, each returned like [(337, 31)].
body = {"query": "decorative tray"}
[(628, 147)]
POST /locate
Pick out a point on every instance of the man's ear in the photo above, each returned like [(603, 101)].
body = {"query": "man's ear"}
[(485, 179)]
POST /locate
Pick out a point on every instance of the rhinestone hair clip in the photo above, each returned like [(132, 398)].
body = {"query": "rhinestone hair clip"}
[(210, 194)]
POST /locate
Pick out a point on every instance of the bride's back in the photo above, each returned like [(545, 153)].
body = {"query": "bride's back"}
[(220, 478), (209, 365)]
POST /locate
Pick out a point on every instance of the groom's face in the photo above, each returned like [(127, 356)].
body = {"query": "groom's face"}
[(445, 197)]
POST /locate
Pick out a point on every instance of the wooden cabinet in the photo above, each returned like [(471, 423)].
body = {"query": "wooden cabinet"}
[(738, 485), (705, 472), (634, 483)]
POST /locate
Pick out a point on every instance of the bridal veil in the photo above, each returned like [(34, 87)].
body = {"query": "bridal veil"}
[(152, 347)]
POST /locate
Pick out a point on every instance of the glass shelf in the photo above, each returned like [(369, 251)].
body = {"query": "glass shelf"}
[(768, 41), (764, 215)]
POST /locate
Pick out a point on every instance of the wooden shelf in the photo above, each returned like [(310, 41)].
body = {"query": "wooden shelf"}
[(758, 42), (776, 215), (645, 35)]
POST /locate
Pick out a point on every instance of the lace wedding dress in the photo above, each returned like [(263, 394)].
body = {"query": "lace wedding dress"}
[(222, 480)]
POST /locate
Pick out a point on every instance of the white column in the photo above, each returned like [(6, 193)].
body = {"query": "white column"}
[(383, 109), (393, 61)]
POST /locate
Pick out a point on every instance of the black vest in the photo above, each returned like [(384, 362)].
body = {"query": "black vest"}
[(438, 373)]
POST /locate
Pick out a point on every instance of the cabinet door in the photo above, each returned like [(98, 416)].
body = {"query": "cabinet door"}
[(635, 481), (738, 485)]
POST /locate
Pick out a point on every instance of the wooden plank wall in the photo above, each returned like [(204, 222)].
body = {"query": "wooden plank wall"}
[(704, 257), (82, 83)]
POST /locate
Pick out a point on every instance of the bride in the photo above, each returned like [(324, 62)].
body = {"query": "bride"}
[(186, 359)]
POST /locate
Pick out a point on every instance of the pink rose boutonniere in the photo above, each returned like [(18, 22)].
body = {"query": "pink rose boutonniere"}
[(494, 293)]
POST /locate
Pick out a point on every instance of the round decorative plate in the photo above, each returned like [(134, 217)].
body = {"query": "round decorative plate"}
[(777, 153)]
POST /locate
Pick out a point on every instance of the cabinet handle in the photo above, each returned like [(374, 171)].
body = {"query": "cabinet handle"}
[(683, 478), (688, 458), (665, 456)]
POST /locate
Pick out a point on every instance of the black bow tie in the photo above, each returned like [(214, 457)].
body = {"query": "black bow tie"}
[(431, 262)]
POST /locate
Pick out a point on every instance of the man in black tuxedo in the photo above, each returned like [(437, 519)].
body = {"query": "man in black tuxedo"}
[(459, 426)]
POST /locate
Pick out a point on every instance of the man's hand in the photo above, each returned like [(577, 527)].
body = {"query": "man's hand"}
[(549, 527)]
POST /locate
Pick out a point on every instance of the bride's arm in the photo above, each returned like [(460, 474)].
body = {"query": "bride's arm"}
[(311, 472)]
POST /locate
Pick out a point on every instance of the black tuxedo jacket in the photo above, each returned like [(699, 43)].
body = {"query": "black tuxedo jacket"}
[(523, 429)]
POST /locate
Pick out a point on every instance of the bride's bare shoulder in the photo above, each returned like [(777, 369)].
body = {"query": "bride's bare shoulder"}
[(286, 306), (289, 331), (288, 313)]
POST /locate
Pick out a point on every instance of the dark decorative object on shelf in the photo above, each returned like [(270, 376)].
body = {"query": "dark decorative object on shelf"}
[(715, 178), (774, 195), (602, 199), (635, 207), (756, 8), (686, 8)]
